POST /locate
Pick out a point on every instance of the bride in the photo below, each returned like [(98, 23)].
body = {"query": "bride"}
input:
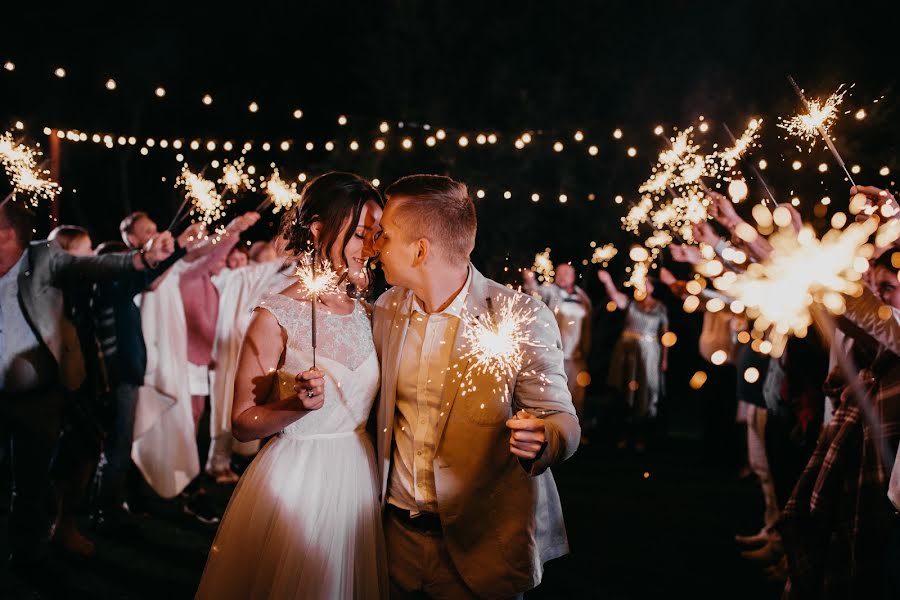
[(304, 521)]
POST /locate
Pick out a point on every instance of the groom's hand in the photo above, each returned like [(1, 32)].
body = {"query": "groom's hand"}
[(527, 440), (310, 388)]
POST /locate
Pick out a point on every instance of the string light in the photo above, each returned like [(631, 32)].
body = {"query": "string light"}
[(254, 107), (298, 114), (160, 92), (111, 84), (9, 66), (207, 100), (60, 72)]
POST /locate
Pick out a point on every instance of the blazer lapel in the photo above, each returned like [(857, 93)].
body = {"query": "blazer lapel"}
[(390, 369)]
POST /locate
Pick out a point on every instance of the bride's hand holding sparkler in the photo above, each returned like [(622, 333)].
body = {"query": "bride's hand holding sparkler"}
[(310, 388), (528, 437)]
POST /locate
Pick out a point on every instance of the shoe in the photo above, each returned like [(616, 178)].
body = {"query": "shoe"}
[(199, 507), (755, 540), (771, 552)]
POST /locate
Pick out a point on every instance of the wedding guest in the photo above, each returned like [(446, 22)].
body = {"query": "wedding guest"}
[(237, 258), (639, 360), (262, 251), (119, 333), (573, 310)]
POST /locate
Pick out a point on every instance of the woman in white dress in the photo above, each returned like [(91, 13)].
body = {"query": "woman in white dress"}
[(304, 520)]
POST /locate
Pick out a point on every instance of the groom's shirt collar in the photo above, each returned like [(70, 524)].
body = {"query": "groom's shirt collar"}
[(455, 308)]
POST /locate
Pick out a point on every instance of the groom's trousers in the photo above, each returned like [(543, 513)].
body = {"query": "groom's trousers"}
[(419, 563)]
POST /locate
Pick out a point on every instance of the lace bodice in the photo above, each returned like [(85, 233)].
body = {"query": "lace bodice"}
[(345, 353)]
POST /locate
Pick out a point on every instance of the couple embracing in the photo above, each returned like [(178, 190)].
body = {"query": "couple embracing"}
[(455, 499)]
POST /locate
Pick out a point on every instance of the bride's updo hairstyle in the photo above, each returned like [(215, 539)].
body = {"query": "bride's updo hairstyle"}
[(335, 200)]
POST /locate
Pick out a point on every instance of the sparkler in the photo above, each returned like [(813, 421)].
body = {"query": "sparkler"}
[(279, 193), (27, 178), (318, 279), (543, 266), (497, 340), (604, 254), (801, 270), (675, 196), (201, 193), (234, 178), (818, 119), (745, 143), (637, 215)]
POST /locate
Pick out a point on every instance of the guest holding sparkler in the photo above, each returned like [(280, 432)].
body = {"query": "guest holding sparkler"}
[(121, 339), (573, 310), (311, 492), (839, 523), (639, 360), (41, 358)]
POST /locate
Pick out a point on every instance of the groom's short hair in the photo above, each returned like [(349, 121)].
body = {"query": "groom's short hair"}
[(436, 208)]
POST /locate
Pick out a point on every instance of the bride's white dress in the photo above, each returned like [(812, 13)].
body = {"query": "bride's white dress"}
[(304, 520)]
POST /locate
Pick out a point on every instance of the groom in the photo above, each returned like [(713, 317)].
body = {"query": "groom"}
[(472, 510)]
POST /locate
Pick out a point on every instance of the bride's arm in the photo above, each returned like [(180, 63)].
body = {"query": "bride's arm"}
[(252, 417)]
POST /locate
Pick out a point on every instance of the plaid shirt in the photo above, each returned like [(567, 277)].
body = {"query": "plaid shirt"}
[(836, 522)]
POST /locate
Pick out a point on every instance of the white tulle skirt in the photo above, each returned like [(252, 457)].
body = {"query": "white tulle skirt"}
[(304, 522)]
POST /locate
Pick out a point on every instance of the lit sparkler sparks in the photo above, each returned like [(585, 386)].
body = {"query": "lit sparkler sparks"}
[(202, 193), (675, 196), (496, 341), (741, 145), (27, 178), (637, 215), (317, 279), (280, 194), (234, 178), (543, 266), (604, 254), (801, 270), (818, 118)]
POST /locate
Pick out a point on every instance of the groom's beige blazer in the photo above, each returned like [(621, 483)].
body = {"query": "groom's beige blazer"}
[(501, 517)]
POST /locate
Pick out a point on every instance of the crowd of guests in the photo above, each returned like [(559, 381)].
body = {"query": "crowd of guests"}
[(110, 356), (816, 426)]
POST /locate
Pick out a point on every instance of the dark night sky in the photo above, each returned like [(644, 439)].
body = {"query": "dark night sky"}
[(492, 66)]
